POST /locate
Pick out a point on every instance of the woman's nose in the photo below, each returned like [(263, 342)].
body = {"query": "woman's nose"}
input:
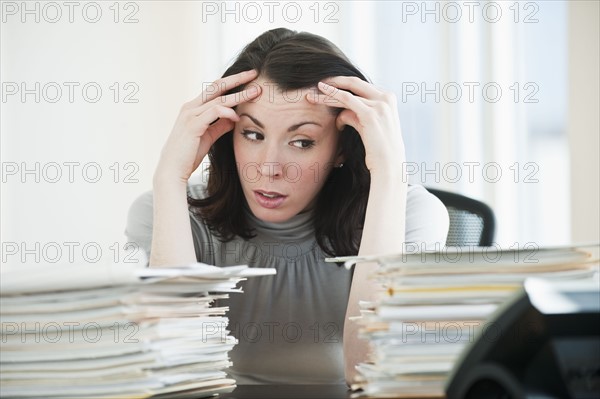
[(270, 165), (271, 169)]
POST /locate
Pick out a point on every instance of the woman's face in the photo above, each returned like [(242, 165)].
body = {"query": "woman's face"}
[(285, 148)]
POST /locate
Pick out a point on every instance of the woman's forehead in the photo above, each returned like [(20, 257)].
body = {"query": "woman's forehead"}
[(271, 92), (275, 103)]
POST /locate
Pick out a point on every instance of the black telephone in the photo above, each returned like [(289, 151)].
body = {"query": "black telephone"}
[(544, 343)]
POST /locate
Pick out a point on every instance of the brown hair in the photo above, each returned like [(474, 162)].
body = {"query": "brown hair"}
[(292, 60)]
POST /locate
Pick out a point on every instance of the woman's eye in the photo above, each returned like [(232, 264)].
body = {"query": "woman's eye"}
[(252, 136), (304, 144)]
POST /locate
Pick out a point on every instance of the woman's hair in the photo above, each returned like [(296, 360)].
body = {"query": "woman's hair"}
[(292, 60)]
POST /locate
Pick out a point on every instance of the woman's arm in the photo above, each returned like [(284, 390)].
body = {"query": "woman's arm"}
[(383, 233), (172, 242), (199, 124), (374, 115)]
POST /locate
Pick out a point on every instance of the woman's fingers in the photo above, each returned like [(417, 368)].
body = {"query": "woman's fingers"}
[(334, 97), (357, 86), (233, 99), (209, 117), (347, 99), (220, 86), (214, 132), (201, 122), (211, 125), (219, 128), (229, 101), (320, 98), (347, 117), (357, 109), (372, 112)]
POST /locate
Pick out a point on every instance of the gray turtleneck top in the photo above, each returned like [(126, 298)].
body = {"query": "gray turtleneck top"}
[(289, 325)]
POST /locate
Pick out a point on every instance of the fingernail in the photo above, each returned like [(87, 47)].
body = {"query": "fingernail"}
[(253, 90)]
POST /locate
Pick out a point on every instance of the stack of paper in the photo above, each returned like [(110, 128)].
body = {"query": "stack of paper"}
[(432, 303), (116, 331)]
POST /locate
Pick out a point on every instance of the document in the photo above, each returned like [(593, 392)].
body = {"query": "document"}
[(115, 331), (432, 304)]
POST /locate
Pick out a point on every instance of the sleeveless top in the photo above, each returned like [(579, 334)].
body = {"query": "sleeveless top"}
[(289, 326)]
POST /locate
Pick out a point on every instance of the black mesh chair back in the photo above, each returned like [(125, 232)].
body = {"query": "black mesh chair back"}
[(472, 222)]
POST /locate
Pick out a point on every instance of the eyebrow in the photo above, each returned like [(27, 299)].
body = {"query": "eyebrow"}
[(290, 129)]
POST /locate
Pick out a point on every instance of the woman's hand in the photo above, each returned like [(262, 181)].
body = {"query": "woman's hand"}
[(199, 124), (374, 115)]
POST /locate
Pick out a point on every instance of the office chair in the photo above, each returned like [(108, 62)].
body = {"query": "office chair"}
[(471, 222)]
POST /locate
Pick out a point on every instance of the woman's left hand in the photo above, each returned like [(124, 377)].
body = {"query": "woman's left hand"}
[(374, 115)]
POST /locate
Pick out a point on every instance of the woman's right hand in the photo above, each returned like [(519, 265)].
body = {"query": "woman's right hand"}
[(199, 124)]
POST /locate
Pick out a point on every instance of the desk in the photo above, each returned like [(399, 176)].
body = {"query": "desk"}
[(289, 392)]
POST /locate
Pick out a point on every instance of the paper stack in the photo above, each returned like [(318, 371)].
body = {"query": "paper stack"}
[(117, 331), (432, 303)]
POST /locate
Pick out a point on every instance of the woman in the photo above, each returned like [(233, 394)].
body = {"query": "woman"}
[(306, 162)]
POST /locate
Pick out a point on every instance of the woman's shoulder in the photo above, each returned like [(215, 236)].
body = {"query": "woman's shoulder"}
[(139, 216), (427, 219), (140, 219), (418, 196), (138, 228)]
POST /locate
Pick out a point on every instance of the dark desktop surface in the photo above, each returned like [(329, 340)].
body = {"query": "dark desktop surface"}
[(288, 392), (293, 392)]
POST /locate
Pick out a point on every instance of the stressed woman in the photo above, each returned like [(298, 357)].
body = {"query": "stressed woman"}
[(305, 162)]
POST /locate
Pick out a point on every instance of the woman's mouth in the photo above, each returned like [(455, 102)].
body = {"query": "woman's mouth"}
[(269, 199)]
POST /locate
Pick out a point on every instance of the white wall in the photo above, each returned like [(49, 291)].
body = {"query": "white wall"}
[(172, 48), (158, 56), (166, 53), (584, 126)]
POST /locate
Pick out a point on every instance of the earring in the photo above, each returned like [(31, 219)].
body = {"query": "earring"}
[(340, 165)]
